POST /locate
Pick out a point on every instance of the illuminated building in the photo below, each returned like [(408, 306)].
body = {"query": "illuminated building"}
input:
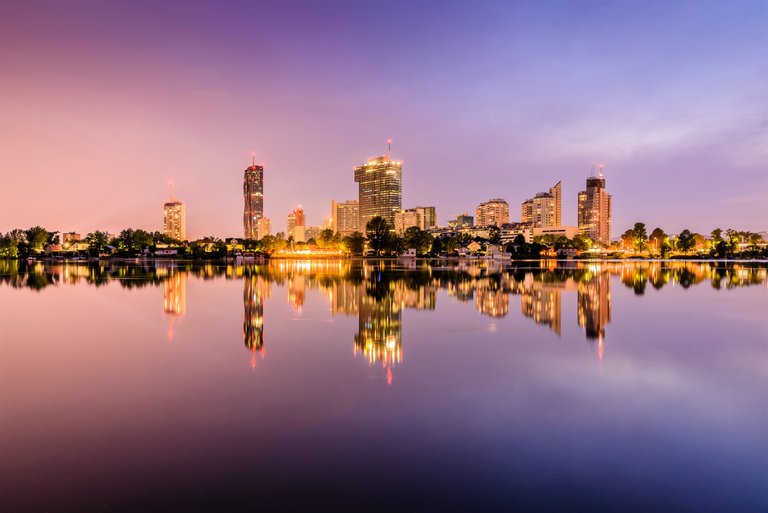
[(427, 217), (69, 237), (420, 217), (296, 228), (253, 196), (380, 189), (462, 221), (263, 227), (175, 219), (595, 210), (493, 212), (543, 210), (406, 219), (558, 231), (345, 217)]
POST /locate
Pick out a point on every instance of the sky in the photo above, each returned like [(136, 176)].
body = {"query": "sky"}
[(103, 103)]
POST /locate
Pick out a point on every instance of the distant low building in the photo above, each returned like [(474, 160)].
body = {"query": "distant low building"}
[(510, 231), (462, 221), (263, 227), (70, 237), (558, 231)]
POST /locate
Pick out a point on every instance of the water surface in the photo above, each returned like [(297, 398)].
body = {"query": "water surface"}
[(378, 385)]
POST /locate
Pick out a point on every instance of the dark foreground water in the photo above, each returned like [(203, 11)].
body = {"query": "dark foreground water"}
[(351, 386)]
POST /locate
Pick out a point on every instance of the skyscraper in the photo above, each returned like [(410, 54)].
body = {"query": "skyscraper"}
[(345, 217), (493, 212), (380, 189), (253, 196), (595, 210), (544, 209), (175, 219)]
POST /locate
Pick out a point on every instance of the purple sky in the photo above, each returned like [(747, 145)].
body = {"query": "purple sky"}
[(102, 103)]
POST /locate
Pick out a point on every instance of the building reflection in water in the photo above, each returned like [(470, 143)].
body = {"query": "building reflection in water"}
[(174, 297), (255, 291), (378, 292)]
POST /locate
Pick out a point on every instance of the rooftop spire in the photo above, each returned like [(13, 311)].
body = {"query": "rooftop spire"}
[(389, 149), (253, 158)]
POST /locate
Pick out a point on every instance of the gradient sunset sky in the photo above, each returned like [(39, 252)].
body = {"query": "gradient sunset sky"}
[(102, 103)]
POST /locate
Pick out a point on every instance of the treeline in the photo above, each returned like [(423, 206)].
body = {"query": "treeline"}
[(720, 243), (380, 239)]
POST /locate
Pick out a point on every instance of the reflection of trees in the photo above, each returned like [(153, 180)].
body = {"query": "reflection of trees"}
[(378, 291)]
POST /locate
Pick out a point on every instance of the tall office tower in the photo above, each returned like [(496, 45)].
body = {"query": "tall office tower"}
[(253, 195), (544, 209), (345, 217), (595, 210), (263, 227), (175, 219), (380, 189), (493, 212), (296, 224)]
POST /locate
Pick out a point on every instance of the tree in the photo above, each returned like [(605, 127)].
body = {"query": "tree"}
[(418, 239), (717, 235), (494, 234), (582, 242), (656, 238), (685, 241), (628, 239), (9, 246), (377, 234), (326, 238), (640, 236), (97, 242), (36, 237), (355, 243)]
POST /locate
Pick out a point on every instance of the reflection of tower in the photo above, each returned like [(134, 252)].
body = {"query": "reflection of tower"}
[(543, 305), (494, 303), (379, 335), (296, 292), (594, 305), (255, 290), (175, 298)]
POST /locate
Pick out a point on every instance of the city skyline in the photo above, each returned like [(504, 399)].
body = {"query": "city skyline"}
[(543, 101)]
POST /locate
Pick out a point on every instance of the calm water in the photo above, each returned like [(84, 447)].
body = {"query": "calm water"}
[(338, 386)]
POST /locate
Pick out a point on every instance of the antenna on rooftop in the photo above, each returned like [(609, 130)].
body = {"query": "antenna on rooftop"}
[(253, 158), (389, 149)]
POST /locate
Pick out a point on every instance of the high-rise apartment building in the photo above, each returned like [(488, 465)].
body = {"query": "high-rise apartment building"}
[(427, 217), (175, 219), (595, 210), (493, 212), (380, 189), (345, 217), (253, 196), (543, 210), (420, 217), (296, 224), (263, 227)]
